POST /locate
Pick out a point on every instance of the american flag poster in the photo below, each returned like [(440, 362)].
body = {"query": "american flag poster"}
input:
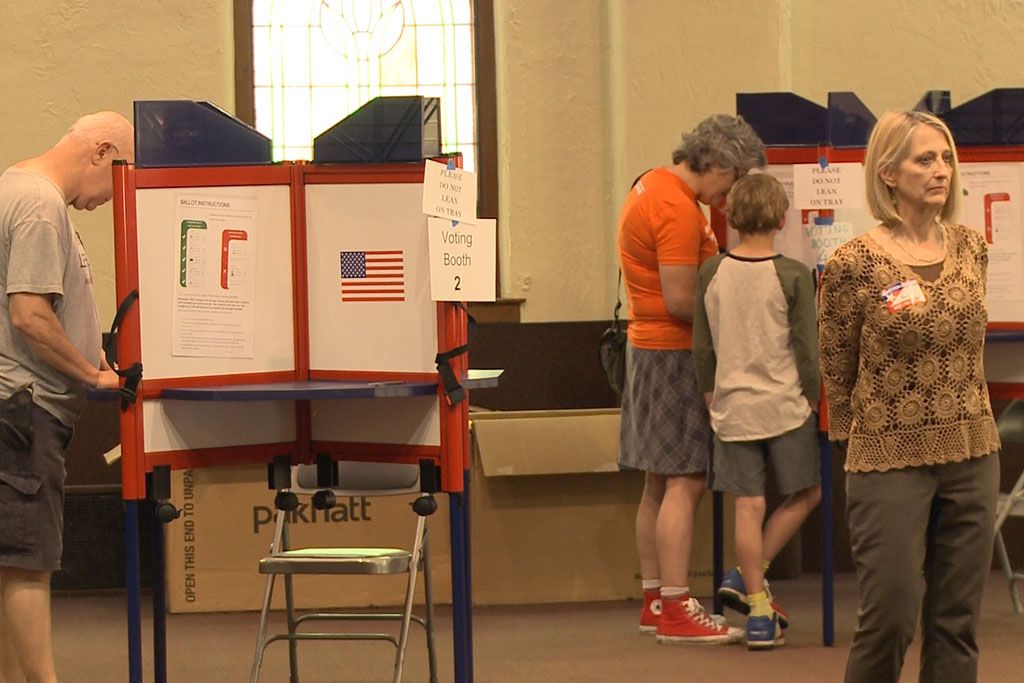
[(373, 275)]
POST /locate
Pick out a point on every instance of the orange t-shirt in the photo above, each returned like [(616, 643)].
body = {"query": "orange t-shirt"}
[(660, 223)]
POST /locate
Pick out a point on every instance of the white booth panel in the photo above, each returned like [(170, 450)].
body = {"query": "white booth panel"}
[(181, 425), (159, 261), (412, 421), (383, 336)]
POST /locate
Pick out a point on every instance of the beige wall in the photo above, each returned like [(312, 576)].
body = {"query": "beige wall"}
[(63, 58), (594, 92), (591, 92), (890, 52)]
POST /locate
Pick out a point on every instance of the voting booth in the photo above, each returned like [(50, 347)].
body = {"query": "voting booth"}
[(255, 276), (277, 314)]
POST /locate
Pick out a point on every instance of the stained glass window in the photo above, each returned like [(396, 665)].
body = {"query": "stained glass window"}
[(316, 61)]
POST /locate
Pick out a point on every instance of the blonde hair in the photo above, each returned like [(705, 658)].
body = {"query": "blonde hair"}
[(888, 146), (757, 203)]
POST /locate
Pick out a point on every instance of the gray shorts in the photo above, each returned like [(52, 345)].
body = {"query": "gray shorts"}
[(738, 467), (32, 497)]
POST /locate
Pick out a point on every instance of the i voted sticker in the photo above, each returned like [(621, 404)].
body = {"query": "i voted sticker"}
[(902, 295)]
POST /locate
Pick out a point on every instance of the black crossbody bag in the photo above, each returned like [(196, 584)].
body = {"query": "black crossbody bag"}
[(611, 350)]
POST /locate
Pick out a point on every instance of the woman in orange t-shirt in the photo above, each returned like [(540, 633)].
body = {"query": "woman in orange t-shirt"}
[(663, 239)]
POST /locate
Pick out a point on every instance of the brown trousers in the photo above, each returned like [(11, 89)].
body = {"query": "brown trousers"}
[(922, 541)]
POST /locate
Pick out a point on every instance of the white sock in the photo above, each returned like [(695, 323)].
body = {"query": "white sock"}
[(650, 584), (674, 592)]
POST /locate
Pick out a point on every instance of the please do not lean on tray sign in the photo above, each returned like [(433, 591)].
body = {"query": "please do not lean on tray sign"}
[(828, 186), (462, 247)]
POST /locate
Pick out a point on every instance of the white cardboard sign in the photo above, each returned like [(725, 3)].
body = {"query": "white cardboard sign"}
[(462, 259), (834, 186), (449, 192)]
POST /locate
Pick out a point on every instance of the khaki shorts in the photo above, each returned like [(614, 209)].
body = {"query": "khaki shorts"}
[(32, 497), (738, 467)]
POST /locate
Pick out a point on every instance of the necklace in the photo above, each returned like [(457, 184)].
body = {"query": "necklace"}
[(934, 257)]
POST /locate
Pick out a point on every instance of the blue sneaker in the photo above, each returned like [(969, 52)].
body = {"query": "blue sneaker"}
[(764, 633), (733, 594)]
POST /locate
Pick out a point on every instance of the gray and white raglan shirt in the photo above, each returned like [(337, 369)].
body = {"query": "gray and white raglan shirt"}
[(755, 344)]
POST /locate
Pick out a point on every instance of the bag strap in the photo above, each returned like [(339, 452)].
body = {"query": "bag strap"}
[(618, 285), (618, 302)]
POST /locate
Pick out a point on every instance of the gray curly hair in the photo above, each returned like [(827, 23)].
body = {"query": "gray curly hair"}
[(723, 141)]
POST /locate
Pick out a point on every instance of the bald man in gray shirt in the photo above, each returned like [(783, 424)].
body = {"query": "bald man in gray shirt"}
[(49, 351)]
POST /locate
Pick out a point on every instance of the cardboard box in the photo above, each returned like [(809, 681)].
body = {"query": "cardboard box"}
[(553, 518), (227, 524)]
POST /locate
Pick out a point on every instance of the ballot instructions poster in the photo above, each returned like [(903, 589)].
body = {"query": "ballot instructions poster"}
[(214, 296)]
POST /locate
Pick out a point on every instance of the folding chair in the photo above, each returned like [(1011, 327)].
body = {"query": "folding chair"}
[(348, 479), (1011, 430)]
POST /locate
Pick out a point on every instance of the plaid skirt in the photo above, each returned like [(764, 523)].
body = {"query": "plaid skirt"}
[(665, 427)]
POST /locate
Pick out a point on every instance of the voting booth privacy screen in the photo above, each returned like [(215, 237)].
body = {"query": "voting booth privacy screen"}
[(258, 275)]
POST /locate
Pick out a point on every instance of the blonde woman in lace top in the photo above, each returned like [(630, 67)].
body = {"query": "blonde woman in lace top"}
[(902, 327)]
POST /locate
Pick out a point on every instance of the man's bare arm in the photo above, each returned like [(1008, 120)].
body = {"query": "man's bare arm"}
[(32, 315)]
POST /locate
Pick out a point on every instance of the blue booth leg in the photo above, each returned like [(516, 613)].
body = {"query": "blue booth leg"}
[(133, 588), (462, 634), (159, 604)]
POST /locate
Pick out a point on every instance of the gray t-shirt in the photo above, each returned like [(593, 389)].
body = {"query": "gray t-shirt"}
[(41, 253)]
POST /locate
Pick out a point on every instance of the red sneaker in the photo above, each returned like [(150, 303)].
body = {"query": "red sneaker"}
[(651, 611), (684, 621)]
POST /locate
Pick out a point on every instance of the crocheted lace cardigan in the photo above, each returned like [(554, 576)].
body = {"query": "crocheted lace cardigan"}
[(907, 388)]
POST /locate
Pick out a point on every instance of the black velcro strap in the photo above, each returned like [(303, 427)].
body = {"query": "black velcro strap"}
[(133, 374), (122, 310), (129, 392), (455, 392)]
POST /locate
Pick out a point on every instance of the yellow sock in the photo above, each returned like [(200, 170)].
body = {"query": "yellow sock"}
[(765, 564), (759, 605)]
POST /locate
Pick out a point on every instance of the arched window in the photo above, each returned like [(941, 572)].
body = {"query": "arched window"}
[(316, 61)]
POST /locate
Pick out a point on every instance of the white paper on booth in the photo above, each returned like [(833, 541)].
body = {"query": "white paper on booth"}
[(449, 192), (992, 207), (462, 259), (835, 186), (214, 297)]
